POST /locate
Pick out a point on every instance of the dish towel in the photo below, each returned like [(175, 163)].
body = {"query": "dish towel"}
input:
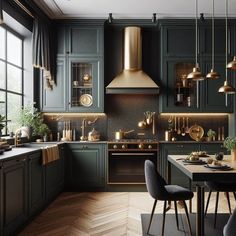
[(50, 154)]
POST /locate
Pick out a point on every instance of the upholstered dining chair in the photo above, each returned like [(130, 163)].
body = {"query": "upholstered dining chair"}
[(159, 190), (230, 227), (218, 186)]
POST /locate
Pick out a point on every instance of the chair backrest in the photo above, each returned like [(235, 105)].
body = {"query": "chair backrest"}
[(154, 182), (230, 227)]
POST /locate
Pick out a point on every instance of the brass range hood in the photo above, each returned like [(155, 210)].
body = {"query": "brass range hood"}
[(132, 80)]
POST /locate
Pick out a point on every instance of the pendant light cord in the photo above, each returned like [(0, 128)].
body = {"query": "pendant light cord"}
[(196, 33), (213, 34), (226, 37)]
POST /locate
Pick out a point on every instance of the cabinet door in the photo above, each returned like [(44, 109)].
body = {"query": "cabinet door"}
[(36, 183), (206, 40), (177, 177), (86, 167), (213, 148), (173, 86), (178, 40), (86, 85), (213, 100), (15, 194), (55, 99), (85, 41)]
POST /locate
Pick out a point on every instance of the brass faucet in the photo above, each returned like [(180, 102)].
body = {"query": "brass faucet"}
[(17, 139)]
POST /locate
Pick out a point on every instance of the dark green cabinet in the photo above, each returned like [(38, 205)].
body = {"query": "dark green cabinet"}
[(86, 166), (14, 194), (36, 183), (54, 177), (79, 79), (178, 57), (177, 177), (55, 99)]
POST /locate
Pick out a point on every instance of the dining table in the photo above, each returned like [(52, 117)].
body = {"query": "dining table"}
[(200, 172)]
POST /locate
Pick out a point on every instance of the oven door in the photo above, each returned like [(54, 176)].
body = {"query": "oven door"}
[(128, 167)]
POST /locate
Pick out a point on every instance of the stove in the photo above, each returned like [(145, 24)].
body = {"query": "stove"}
[(133, 144), (126, 159)]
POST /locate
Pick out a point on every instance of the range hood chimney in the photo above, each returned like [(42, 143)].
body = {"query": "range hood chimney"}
[(132, 80)]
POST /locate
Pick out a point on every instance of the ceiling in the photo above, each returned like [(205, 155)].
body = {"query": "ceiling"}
[(125, 9)]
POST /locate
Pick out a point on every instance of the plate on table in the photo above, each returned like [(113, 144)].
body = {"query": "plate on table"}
[(196, 132), (196, 162), (218, 167), (86, 100)]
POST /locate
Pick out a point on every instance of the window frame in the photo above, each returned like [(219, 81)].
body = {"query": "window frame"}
[(5, 130)]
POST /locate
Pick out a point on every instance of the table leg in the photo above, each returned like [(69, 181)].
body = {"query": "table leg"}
[(200, 211), (190, 201)]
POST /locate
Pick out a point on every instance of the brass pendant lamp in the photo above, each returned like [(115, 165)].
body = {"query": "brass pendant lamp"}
[(213, 74), (196, 74), (232, 65), (226, 88)]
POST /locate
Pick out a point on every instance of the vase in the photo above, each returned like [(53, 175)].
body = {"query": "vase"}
[(233, 155)]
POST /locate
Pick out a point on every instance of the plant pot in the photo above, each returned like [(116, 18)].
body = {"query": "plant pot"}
[(233, 155), (209, 139)]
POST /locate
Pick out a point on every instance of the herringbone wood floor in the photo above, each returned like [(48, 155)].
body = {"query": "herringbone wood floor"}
[(100, 213)]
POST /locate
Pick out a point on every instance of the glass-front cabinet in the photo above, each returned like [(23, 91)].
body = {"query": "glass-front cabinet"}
[(85, 78)]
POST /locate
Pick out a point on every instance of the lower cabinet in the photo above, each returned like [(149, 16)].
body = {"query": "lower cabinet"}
[(85, 166), (14, 189), (36, 183), (54, 177)]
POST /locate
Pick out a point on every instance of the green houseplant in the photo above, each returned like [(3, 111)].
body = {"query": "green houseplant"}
[(230, 144), (2, 124), (42, 130), (211, 134)]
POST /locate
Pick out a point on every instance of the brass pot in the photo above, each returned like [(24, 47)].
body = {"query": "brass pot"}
[(121, 134)]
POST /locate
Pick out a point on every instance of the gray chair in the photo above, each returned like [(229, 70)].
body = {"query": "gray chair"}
[(220, 186), (230, 227), (159, 190)]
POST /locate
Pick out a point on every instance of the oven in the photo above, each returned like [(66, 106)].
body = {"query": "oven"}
[(126, 160)]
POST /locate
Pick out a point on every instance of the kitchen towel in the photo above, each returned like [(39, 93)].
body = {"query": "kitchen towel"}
[(49, 154)]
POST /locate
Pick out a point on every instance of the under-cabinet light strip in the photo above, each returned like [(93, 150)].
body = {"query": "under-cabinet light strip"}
[(194, 114)]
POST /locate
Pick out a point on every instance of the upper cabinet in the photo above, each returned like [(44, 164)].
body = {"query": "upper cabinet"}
[(178, 94), (79, 79)]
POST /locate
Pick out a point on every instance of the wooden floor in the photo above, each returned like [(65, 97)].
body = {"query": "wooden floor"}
[(100, 213)]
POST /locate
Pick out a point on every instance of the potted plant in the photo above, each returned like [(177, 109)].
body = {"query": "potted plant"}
[(2, 124), (230, 144), (42, 130), (211, 134)]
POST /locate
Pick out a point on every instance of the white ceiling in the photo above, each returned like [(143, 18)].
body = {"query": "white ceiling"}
[(140, 9)]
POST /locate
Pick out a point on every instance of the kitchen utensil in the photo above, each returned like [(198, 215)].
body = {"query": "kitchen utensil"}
[(153, 123), (121, 134), (186, 127), (222, 133), (178, 130), (175, 124), (219, 134), (196, 132), (183, 127), (142, 124), (93, 135), (86, 100), (148, 115)]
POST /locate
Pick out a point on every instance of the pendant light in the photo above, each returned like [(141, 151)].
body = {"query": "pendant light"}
[(196, 73), (213, 74), (226, 88), (232, 65)]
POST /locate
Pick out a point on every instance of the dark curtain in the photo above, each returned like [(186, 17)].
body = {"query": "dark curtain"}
[(43, 53)]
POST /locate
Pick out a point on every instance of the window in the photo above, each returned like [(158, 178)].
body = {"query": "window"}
[(11, 76)]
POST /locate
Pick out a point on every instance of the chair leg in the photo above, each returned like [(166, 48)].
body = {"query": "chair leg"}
[(164, 218), (234, 195), (176, 215), (153, 209), (186, 212), (208, 200), (216, 207), (227, 196)]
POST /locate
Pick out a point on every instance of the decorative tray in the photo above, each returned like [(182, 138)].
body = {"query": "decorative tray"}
[(218, 167), (196, 132)]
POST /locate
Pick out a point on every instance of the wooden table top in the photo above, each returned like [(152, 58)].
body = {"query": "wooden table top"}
[(201, 173)]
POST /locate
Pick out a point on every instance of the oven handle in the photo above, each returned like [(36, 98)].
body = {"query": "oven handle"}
[(132, 153)]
